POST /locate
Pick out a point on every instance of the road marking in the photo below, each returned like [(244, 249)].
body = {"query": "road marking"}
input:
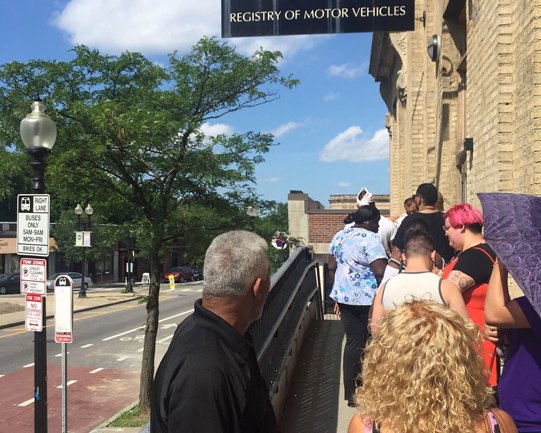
[(87, 345), (2, 375), (142, 327), (96, 370), (123, 358), (169, 325), (58, 355), (28, 365), (163, 340), (26, 403), (71, 382), (16, 331)]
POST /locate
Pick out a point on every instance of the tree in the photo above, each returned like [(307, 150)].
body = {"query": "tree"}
[(130, 139)]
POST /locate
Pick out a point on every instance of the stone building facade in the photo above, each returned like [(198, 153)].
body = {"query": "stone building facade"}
[(469, 118)]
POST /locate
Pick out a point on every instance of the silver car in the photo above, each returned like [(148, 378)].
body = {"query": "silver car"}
[(76, 277)]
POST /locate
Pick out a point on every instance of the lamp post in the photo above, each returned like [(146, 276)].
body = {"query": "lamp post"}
[(83, 239), (252, 212), (38, 133), (129, 263)]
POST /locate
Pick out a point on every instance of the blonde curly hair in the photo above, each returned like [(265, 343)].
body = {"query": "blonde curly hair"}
[(423, 372)]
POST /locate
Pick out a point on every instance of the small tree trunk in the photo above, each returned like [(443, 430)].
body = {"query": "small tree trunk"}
[(151, 332)]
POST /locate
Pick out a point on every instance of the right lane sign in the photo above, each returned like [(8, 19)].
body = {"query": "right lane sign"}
[(33, 224)]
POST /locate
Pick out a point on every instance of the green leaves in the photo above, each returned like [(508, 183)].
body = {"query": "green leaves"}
[(129, 130)]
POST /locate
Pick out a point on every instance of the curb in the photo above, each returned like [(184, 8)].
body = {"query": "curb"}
[(94, 307), (102, 428)]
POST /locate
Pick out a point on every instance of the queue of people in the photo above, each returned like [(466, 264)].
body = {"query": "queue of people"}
[(420, 352), (442, 258)]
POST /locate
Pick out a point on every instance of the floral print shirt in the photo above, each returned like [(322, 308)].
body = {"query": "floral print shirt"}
[(354, 249)]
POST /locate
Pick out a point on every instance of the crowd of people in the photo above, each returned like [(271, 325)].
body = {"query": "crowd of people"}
[(427, 316), (439, 319)]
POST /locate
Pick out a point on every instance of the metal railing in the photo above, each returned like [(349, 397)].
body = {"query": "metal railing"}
[(294, 287)]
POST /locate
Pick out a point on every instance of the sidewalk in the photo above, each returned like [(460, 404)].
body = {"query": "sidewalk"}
[(315, 402)]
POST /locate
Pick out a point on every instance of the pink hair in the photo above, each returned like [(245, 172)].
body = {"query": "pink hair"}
[(464, 214)]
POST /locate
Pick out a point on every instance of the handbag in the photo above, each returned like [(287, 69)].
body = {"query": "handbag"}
[(505, 422)]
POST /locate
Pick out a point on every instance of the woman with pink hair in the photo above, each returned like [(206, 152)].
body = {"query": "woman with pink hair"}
[(470, 270)]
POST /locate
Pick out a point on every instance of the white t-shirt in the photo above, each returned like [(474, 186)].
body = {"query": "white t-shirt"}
[(386, 231)]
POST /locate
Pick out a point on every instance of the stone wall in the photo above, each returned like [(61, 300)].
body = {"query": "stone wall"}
[(485, 85)]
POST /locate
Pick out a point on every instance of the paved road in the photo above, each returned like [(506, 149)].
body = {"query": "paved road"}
[(103, 363)]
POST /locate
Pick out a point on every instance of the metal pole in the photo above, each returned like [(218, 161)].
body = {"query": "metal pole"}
[(64, 388), (40, 338), (82, 291), (129, 286)]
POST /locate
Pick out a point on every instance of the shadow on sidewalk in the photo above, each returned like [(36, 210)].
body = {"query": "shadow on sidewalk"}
[(315, 396)]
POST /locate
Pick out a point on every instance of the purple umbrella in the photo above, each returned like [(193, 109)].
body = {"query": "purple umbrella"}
[(512, 227)]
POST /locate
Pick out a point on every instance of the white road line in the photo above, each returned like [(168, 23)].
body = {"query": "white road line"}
[(163, 340), (28, 365), (87, 345), (123, 358), (26, 403), (71, 382), (58, 355), (2, 375), (142, 327), (96, 370)]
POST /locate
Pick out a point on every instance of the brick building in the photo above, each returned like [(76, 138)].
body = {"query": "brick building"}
[(314, 225), (463, 92)]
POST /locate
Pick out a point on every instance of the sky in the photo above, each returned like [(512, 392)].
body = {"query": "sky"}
[(329, 130)]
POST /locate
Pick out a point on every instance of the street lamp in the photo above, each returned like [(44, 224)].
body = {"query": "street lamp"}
[(38, 133), (252, 212), (82, 239)]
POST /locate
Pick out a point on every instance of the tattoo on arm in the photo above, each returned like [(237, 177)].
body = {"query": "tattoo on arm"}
[(461, 280)]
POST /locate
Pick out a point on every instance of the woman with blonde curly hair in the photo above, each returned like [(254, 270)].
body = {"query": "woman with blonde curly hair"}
[(422, 373)]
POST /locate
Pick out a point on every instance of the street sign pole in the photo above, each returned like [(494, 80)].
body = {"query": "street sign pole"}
[(64, 389), (33, 240), (63, 333)]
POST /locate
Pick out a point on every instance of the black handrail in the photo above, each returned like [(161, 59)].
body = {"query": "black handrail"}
[(293, 287)]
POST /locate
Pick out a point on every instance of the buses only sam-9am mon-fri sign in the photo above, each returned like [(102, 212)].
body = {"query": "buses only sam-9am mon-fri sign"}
[(242, 18)]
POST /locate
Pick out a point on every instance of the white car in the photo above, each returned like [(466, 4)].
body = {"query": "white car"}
[(76, 277)]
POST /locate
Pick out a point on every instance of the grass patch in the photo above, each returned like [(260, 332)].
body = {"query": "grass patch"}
[(130, 418)]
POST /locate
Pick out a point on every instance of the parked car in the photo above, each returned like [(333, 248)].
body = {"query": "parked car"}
[(76, 277), (197, 274), (10, 283), (181, 274)]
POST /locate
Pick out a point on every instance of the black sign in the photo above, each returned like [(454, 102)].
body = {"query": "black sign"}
[(242, 18)]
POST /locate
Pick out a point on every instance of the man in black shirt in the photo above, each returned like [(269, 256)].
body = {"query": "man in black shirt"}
[(209, 379), (427, 196)]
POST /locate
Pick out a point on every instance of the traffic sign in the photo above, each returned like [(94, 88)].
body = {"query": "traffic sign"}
[(63, 312), (33, 278), (34, 312), (33, 224)]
